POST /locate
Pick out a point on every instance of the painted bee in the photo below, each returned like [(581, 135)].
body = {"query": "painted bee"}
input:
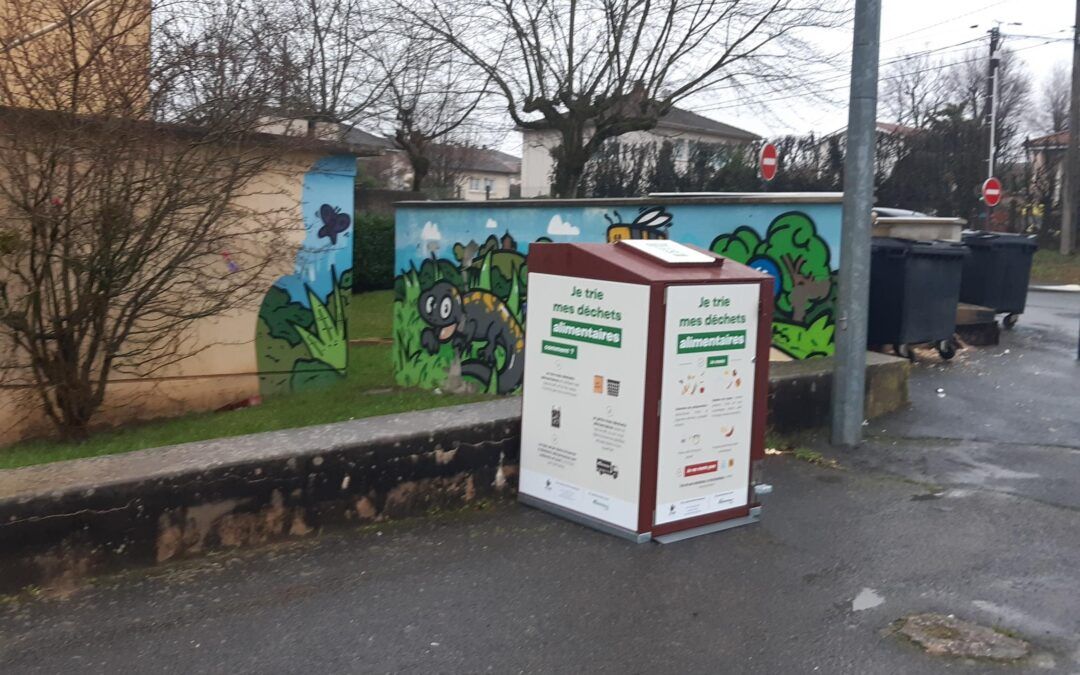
[(651, 223)]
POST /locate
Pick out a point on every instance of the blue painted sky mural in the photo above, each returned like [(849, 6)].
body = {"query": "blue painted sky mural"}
[(473, 256), (301, 341), (328, 182), (423, 231)]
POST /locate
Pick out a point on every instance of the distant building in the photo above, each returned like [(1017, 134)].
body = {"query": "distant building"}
[(890, 140), (457, 171), (1046, 155), (680, 127)]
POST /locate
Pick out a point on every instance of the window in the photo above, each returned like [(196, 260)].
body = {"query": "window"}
[(489, 184), (474, 184), (682, 151)]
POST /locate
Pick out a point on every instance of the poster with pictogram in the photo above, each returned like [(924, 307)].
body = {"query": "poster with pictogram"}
[(707, 400)]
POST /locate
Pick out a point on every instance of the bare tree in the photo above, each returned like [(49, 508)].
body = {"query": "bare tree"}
[(121, 228), (429, 95), (592, 70), (966, 83), (912, 89), (323, 56), (1052, 113)]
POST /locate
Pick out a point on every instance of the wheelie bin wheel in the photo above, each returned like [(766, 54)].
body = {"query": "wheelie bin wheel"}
[(904, 352), (1010, 321), (947, 349)]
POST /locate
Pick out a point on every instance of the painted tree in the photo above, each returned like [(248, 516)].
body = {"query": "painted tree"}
[(793, 253), (586, 71)]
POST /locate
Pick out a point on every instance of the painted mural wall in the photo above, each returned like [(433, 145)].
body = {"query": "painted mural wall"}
[(461, 293), (302, 333)]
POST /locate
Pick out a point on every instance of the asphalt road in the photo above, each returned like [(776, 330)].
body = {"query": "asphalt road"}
[(967, 503)]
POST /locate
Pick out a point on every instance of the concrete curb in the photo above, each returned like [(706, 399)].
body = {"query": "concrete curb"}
[(1061, 288), (65, 520)]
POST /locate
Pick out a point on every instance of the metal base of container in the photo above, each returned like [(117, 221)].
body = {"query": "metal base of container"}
[(755, 516), (581, 519)]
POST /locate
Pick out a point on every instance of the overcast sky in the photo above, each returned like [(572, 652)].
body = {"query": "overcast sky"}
[(907, 26)]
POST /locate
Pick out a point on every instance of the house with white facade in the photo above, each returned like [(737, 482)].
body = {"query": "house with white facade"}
[(681, 127), (464, 172), (1046, 155)]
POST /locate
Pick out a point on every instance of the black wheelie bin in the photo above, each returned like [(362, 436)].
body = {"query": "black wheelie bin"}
[(997, 272), (914, 292)]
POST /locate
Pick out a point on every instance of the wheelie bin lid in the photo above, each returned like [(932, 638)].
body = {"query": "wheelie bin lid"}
[(984, 239), (897, 246)]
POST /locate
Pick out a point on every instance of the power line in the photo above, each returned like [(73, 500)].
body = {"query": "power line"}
[(844, 74), (939, 24), (1040, 37), (728, 106)]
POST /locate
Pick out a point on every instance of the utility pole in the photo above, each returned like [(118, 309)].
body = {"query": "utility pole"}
[(991, 106), (849, 372), (1070, 193)]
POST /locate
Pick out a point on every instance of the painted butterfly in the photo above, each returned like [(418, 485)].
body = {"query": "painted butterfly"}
[(334, 222)]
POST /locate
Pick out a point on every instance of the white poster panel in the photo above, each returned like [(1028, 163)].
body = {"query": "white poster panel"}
[(707, 400), (584, 395)]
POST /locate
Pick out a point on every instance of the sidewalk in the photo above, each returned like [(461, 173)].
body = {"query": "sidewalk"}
[(66, 520)]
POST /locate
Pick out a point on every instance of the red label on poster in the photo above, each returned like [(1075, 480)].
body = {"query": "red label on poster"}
[(704, 467)]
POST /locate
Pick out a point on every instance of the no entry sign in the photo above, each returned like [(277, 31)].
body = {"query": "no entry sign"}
[(768, 161), (992, 191)]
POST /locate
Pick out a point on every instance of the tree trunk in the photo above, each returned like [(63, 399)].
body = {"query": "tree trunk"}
[(420, 167), (570, 160)]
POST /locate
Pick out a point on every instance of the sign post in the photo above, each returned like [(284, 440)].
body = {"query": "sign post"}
[(646, 377)]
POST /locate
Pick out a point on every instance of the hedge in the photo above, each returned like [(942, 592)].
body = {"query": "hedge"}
[(373, 253)]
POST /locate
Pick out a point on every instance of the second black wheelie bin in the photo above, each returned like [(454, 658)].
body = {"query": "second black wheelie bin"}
[(997, 273)]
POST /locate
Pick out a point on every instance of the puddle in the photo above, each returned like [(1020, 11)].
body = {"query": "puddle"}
[(867, 598)]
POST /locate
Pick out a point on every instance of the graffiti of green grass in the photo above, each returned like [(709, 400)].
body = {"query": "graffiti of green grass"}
[(413, 365), (329, 341), (803, 342)]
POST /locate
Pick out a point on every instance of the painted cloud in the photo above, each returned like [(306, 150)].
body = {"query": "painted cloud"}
[(491, 224), (560, 228), (430, 237)]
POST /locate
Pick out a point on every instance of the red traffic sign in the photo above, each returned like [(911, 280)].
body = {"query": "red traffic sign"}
[(768, 161), (992, 192)]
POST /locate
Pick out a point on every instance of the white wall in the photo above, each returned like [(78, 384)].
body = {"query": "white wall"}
[(537, 164), (472, 185)]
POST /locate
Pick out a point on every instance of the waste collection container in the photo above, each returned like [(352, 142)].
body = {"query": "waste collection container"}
[(997, 272), (914, 293), (646, 377)]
